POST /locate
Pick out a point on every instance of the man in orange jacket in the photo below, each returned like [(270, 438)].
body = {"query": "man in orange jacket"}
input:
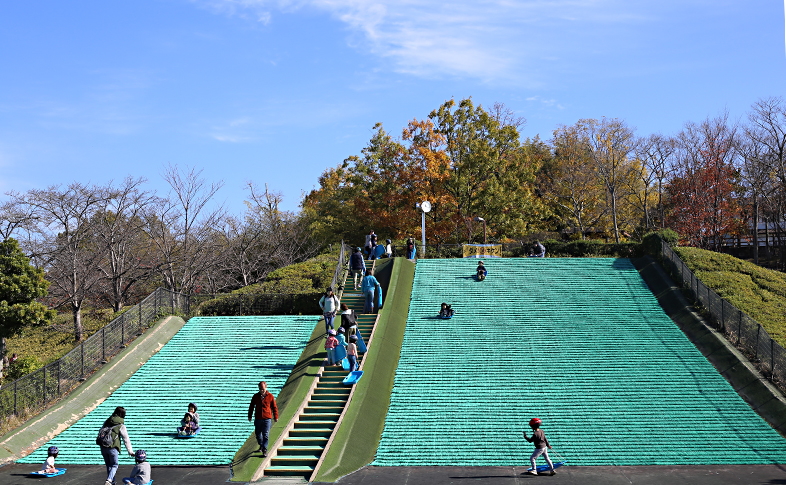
[(265, 405)]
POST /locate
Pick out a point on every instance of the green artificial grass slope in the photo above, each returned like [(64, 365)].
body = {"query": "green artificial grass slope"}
[(246, 460), (757, 291), (356, 440)]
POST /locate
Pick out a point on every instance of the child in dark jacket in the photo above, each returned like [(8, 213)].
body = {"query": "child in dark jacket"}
[(541, 443)]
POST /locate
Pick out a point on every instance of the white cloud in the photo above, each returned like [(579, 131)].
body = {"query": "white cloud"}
[(548, 103), (492, 40)]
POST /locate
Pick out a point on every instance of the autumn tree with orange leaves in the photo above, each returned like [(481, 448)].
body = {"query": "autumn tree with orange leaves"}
[(467, 162), (702, 190)]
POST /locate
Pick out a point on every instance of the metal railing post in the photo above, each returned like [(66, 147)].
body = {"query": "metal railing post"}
[(43, 387), (82, 356), (739, 327), (16, 413), (103, 345)]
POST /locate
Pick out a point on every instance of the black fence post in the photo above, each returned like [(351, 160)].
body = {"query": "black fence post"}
[(140, 314), (772, 357), (43, 387), (756, 353), (739, 327), (103, 345), (155, 301), (122, 332), (16, 413), (59, 363)]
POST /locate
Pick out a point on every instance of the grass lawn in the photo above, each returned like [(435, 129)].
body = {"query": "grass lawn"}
[(759, 292)]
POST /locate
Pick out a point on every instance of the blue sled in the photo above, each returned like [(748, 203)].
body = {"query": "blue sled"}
[(545, 468), (198, 430), (353, 378), (40, 473), (148, 483), (345, 363)]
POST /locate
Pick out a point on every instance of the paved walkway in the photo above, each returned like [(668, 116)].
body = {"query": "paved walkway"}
[(606, 475)]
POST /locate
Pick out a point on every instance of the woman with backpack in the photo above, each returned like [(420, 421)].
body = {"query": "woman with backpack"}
[(109, 440)]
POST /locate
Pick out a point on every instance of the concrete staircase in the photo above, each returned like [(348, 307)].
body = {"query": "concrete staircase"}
[(306, 442)]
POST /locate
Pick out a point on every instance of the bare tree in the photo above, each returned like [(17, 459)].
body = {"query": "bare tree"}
[(569, 182), (768, 122), (66, 241), (507, 117), (756, 174), (610, 141), (287, 236), (119, 226), (655, 153), (181, 226)]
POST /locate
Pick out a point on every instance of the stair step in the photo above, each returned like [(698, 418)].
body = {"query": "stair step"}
[(315, 424), (294, 460), (320, 416), (289, 471), (316, 441), (301, 450), (323, 409), (307, 433), (322, 403)]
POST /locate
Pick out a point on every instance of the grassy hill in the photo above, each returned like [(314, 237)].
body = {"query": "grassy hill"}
[(759, 292)]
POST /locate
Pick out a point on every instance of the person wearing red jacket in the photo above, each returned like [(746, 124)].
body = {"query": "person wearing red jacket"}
[(263, 407)]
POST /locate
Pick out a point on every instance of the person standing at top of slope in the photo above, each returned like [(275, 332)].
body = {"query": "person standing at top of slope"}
[(263, 407), (541, 443)]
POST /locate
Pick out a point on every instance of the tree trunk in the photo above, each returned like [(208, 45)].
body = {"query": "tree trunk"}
[(2, 356), (755, 230), (78, 330), (614, 216)]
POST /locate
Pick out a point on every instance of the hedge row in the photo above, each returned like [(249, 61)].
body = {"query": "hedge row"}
[(261, 304)]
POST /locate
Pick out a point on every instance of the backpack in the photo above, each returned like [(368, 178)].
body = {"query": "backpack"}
[(104, 438)]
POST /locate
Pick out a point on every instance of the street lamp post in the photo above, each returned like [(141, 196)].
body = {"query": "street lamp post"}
[(480, 219), (424, 207)]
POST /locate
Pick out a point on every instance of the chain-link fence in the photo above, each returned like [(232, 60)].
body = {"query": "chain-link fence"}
[(740, 329), (32, 393)]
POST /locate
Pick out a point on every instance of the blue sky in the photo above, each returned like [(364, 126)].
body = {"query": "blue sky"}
[(277, 91)]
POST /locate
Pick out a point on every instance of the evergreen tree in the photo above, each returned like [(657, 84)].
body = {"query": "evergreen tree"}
[(20, 285)]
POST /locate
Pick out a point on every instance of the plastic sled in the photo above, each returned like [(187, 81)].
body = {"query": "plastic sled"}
[(345, 363), (40, 473), (361, 344), (353, 378), (148, 483), (446, 318), (545, 468), (198, 430)]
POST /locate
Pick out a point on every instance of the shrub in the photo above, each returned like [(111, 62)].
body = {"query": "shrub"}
[(651, 241), (22, 367)]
